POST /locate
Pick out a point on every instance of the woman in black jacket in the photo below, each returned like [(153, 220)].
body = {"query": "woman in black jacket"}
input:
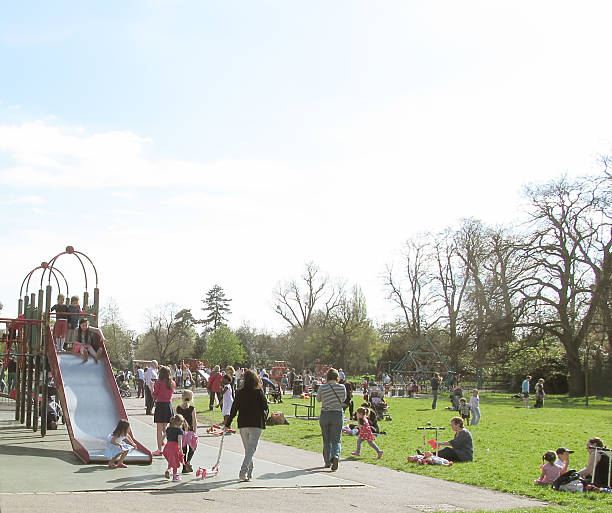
[(252, 408)]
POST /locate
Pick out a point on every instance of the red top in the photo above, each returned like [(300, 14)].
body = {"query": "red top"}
[(162, 393), (365, 431), (214, 382)]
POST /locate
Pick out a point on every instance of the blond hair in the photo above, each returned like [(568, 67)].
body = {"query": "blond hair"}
[(187, 396)]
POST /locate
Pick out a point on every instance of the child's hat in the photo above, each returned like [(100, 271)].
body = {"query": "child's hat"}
[(563, 450)]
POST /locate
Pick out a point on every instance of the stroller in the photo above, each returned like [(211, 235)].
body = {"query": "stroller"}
[(124, 389), (376, 396), (274, 394)]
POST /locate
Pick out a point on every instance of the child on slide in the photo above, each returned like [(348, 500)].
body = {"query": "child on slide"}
[(118, 445)]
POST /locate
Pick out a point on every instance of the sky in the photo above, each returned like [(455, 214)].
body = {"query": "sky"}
[(183, 144)]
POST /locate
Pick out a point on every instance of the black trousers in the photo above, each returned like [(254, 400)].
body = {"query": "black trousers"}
[(149, 401), (448, 453), (212, 395)]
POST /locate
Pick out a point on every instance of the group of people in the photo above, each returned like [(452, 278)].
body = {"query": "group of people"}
[(72, 331), (596, 472), (539, 392)]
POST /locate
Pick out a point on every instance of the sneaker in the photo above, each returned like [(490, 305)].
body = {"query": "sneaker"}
[(419, 452), (380, 453), (243, 478), (334, 464), (176, 477), (355, 454), (167, 474)]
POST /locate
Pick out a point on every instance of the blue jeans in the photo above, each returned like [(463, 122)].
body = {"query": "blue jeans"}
[(371, 442), (250, 439), (331, 429), (475, 416)]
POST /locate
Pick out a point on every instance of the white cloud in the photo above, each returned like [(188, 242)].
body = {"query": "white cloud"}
[(68, 157), (22, 200)]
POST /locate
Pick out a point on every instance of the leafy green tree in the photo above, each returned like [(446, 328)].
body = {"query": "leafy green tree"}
[(224, 348), (217, 306)]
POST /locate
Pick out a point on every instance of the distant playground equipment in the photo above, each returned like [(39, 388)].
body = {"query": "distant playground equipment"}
[(88, 394), (420, 362)]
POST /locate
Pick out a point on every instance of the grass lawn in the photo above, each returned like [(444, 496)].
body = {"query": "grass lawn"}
[(508, 443)]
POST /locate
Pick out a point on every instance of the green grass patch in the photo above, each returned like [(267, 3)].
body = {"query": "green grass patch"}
[(508, 443)]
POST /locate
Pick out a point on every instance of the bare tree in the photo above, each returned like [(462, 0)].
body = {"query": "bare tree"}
[(415, 299), (570, 254), (296, 301), (452, 277)]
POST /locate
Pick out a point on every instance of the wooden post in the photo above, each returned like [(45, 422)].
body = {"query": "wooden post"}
[(45, 341), (96, 308)]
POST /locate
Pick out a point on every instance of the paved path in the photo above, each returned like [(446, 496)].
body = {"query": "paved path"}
[(42, 474)]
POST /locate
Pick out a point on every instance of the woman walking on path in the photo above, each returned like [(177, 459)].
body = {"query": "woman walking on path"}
[(331, 395), (164, 388), (252, 408)]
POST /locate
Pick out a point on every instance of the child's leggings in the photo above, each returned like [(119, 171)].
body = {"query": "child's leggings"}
[(188, 453), (371, 442)]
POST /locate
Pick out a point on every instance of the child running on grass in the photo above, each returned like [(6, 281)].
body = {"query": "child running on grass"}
[(365, 432), (173, 449), (190, 438), (118, 445)]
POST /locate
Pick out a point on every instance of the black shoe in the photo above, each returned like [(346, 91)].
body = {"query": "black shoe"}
[(420, 453), (334, 464)]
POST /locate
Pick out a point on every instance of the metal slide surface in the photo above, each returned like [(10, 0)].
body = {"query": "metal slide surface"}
[(91, 404)]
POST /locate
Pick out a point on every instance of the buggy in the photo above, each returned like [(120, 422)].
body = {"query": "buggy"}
[(274, 393), (376, 397)]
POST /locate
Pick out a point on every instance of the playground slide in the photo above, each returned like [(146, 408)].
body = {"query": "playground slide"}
[(91, 404)]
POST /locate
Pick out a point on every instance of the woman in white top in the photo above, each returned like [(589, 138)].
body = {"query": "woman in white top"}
[(331, 395)]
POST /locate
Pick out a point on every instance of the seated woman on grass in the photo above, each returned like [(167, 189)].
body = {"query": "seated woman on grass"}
[(598, 464), (461, 446)]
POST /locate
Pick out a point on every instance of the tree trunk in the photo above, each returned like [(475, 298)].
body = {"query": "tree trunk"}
[(576, 372)]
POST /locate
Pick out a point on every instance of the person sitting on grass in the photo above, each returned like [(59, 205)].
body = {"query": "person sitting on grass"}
[(550, 471), (461, 446), (598, 465), (563, 456)]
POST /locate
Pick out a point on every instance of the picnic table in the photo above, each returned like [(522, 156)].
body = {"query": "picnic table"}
[(310, 408)]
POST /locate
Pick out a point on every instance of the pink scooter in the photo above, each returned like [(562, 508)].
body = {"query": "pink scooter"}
[(203, 473)]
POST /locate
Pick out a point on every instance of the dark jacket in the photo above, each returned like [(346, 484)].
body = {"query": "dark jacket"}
[(251, 407)]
